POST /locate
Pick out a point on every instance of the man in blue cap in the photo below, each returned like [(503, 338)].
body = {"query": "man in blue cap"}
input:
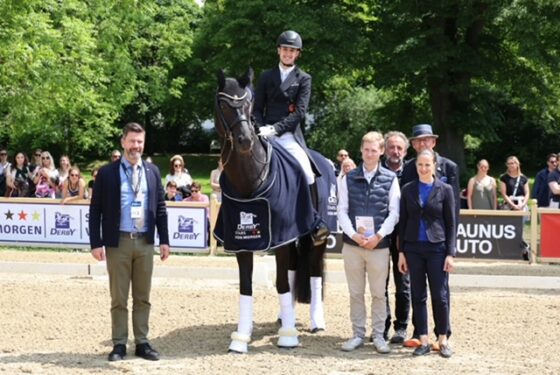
[(446, 170)]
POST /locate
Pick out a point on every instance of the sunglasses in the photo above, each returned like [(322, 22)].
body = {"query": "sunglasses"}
[(3, 153), (74, 175), (177, 165), (38, 154), (194, 191), (45, 157)]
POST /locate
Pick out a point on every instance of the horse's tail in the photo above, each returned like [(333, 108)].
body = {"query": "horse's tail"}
[(310, 263)]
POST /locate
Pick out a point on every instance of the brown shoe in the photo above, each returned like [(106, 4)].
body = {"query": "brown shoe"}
[(412, 343)]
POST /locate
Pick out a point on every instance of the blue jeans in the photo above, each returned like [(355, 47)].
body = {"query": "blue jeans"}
[(428, 262)]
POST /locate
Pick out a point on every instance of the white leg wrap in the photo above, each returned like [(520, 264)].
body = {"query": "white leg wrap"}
[(245, 325), (316, 307), (241, 338), (287, 311), (292, 283)]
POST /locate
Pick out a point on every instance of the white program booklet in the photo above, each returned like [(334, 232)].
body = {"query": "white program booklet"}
[(365, 225)]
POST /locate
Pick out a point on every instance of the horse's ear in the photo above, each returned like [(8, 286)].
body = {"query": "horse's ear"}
[(247, 78), (221, 79)]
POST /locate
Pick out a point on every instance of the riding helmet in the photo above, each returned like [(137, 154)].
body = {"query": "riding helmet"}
[(290, 39)]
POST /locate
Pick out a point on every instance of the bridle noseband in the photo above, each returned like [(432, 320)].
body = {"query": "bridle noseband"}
[(237, 103)]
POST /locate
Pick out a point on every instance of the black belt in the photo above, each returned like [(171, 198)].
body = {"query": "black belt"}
[(133, 235)]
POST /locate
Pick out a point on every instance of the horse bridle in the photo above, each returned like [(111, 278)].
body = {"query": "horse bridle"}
[(238, 103)]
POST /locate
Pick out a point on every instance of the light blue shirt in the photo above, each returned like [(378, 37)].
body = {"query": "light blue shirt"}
[(127, 196)]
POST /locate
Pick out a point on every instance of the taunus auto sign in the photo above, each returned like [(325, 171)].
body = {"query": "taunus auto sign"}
[(494, 237)]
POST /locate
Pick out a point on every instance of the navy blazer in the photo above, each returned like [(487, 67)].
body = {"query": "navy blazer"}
[(439, 214), (283, 104), (105, 206), (446, 170)]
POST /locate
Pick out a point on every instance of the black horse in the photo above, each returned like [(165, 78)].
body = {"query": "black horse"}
[(247, 164)]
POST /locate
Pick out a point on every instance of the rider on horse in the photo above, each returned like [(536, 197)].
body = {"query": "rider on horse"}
[(281, 101)]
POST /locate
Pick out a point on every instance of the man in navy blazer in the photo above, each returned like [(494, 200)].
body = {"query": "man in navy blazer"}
[(446, 170), (126, 207)]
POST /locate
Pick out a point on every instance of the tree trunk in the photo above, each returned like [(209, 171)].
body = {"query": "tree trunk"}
[(450, 143)]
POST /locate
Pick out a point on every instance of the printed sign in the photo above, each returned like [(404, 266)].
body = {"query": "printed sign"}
[(67, 225), (490, 237)]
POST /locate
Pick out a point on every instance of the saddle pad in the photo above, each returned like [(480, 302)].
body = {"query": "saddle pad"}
[(282, 201)]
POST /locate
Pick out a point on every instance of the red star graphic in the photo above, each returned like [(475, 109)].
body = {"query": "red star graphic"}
[(22, 216)]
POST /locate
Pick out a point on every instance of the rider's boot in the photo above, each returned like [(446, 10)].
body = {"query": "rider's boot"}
[(320, 230)]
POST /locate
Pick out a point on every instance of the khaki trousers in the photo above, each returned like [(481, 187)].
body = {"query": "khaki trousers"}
[(360, 263), (130, 263)]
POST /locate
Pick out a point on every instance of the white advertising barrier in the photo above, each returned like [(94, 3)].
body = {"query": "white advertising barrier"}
[(48, 223)]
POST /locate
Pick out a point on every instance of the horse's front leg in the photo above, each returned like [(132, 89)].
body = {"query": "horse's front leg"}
[(240, 339), (287, 334)]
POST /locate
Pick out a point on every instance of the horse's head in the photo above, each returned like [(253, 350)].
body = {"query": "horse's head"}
[(234, 101)]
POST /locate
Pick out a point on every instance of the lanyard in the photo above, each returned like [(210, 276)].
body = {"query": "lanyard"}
[(135, 188)]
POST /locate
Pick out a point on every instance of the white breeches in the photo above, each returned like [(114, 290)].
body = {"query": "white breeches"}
[(288, 141)]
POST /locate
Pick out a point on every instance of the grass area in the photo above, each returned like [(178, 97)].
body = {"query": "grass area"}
[(199, 166)]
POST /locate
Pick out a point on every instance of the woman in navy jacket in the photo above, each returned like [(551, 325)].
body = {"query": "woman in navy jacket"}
[(427, 245)]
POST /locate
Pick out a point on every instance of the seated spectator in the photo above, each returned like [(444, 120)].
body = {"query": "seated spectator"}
[(481, 189), (46, 179), (115, 155), (91, 182), (179, 174), (215, 181), (4, 169), (18, 178), (74, 186), (197, 196), (63, 170), (171, 193)]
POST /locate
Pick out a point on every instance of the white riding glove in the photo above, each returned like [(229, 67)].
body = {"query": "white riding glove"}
[(267, 131)]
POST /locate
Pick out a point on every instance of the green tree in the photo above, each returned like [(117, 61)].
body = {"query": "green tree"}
[(468, 61)]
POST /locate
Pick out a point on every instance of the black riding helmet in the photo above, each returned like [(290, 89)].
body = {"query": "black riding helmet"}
[(290, 39)]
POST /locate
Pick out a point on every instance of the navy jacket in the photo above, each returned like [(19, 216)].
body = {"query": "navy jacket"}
[(541, 191), (439, 214), (283, 104), (105, 207), (446, 170)]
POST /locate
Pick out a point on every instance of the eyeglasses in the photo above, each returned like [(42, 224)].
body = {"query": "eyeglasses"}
[(45, 157)]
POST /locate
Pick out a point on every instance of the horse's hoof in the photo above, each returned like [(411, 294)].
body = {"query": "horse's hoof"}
[(317, 330), (288, 338), (238, 347), (239, 343), (288, 342)]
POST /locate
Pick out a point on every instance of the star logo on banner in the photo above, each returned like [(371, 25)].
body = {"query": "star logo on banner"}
[(9, 215), (22, 216), (36, 216)]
